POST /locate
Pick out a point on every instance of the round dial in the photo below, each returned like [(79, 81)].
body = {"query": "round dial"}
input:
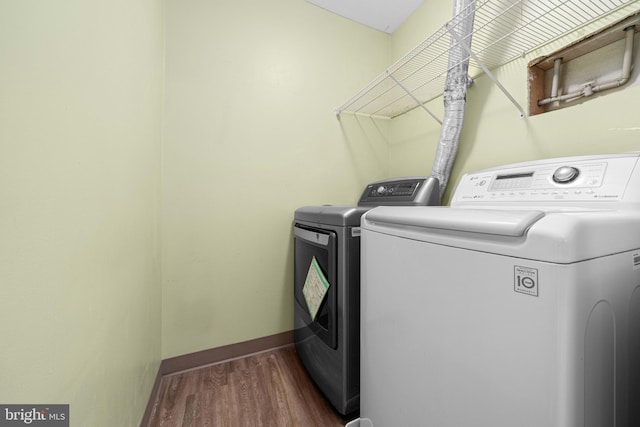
[(382, 190), (565, 174)]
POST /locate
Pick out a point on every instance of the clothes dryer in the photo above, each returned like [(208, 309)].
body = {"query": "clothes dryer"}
[(519, 305), (327, 337)]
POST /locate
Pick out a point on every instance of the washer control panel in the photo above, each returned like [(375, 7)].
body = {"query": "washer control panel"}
[(577, 179)]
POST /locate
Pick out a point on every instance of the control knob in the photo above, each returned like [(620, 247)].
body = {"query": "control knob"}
[(382, 190), (565, 174)]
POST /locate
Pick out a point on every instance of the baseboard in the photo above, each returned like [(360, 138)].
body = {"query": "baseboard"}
[(219, 354), (211, 356)]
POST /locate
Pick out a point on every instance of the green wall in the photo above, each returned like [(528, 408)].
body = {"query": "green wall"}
[(250, 136), (80, 130)]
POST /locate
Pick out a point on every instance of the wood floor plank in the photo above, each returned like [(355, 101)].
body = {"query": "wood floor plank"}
[(171, 404), (270, 389), (264, 392), (282, 407), (223, 414), (207, 411), (243, 401), (318, 410), (214, 376), (192, 411)]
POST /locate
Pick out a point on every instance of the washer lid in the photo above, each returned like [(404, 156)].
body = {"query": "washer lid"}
[(553, 236), (512, 223)]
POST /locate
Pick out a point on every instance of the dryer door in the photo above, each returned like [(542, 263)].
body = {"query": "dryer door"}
[(320, 244)]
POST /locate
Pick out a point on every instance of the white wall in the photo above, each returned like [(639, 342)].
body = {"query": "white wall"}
[(80, 121), (250, 136)]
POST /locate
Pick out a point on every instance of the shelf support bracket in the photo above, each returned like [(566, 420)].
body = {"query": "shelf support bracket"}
[(486, 70), (392, 77)]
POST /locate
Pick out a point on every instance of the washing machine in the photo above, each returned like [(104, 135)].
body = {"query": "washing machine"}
[(518, 305), (327, 248)]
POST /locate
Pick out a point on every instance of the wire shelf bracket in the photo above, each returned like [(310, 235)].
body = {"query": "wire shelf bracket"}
[(486, 70), (424, 107)]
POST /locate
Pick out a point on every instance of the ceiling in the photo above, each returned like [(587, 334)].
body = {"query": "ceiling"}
[(383, 15)]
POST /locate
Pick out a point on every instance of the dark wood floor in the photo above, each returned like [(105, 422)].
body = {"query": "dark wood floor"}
[(261, 390)]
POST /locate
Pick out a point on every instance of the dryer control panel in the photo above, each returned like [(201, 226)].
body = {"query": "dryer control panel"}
[(570, 180), (411, 191)]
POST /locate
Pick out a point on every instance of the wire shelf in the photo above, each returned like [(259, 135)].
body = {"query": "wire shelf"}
[(503, 30)]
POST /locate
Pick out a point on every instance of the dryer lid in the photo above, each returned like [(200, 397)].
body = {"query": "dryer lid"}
[(510, 223), (340, 216)]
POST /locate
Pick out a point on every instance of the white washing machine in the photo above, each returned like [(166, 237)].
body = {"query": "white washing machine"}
[(518, 306)]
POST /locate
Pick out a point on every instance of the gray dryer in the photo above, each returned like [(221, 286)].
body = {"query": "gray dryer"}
[(328, 340)]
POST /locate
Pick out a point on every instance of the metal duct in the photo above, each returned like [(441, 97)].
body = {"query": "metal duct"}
[(455, 91)]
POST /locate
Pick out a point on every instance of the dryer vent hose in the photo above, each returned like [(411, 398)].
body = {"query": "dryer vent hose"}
[(455, 92)]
